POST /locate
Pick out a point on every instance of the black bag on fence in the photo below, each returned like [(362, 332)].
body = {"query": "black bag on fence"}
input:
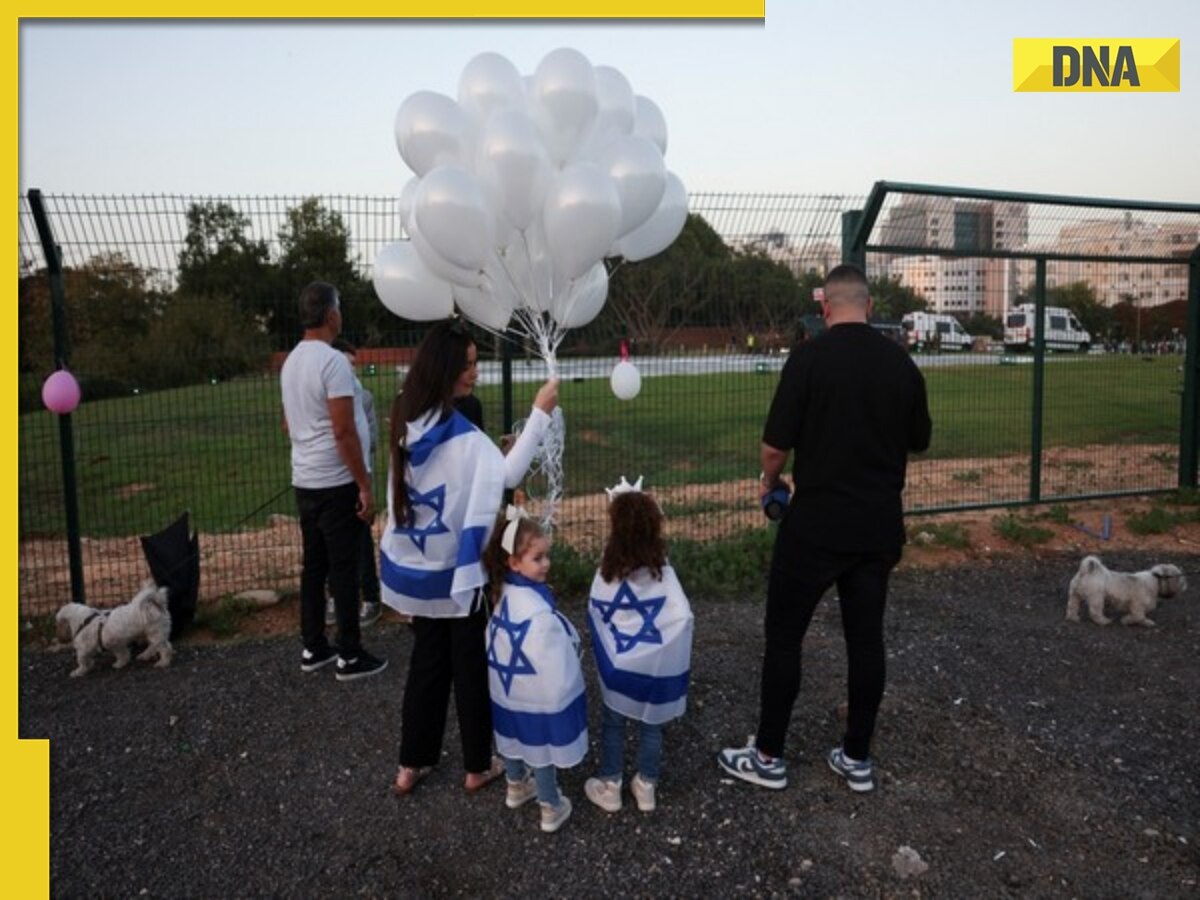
[(174, 558)]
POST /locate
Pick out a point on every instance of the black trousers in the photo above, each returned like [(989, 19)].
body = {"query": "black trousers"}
[(447, 652), (332, 535), (800, 575)]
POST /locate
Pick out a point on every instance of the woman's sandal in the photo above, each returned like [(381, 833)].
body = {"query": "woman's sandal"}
[(408, 777), (476, 781)]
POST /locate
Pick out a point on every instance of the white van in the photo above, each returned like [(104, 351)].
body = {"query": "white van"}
[(934, 331), (1062, 330)]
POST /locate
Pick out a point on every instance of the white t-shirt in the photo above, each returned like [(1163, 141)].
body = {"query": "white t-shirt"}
[(313, 374), (362, 422)]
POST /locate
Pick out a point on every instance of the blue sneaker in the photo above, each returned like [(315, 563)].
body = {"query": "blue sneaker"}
[(746, 764), (860, 776)]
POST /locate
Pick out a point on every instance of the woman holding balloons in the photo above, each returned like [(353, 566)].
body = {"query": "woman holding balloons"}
[(445, 488)]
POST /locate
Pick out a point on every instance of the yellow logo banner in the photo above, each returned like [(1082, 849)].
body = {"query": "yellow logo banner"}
[(1096, 64)]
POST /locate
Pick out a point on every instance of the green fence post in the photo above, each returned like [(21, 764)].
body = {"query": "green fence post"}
[(852, 253), (1188, 414), (1039, 381), (66, 438)]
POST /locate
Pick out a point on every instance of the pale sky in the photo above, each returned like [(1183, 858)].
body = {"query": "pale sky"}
[(825, 97)]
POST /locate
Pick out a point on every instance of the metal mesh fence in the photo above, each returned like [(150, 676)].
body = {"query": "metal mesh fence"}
[(181, 308)]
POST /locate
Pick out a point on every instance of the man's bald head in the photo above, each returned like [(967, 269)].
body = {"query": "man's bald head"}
[(846, 285)]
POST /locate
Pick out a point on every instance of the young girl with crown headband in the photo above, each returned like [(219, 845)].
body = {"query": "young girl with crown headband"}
[(539, 709), (641, 627)]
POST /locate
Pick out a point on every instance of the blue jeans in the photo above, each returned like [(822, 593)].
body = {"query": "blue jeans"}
[(543, 776), (612, 747)]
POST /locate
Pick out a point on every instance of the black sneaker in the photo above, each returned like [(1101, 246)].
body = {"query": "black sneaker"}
[(310, 662), (362, 666)]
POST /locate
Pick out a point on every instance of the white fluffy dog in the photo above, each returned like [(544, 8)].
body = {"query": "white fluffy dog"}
[(145, 617), (1132, 593)]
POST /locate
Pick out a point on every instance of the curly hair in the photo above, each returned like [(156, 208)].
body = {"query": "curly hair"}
[(635, 538), (495, 557)]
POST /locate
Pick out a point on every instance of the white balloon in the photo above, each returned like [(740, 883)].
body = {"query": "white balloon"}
[(648, 121), (636, 167), (658, 232), (614, 114), (526, 266), (565, 101), (616, 107), (452, 214), (581, 216), (490, 305), (408, 195), (431, 130), (406, 287), (580, 304), (438, 264), (513, 167), (490, 82), (626, 380)]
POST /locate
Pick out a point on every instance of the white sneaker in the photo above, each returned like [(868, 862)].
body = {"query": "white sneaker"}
[(518, 793), (554, 816), (643, 793), (605, 794)]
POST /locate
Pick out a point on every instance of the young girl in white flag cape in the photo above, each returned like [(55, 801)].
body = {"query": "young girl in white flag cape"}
[(641, 627), (445, 487), (539, 708)]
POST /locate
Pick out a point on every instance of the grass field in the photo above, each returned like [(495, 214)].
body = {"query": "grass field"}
[(219, 451)]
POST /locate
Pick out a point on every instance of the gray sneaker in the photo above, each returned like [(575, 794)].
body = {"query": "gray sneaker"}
[(860, 776), (368, 613), (746, 764)]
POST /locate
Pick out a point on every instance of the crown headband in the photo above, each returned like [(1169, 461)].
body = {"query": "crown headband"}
[(624, 487)]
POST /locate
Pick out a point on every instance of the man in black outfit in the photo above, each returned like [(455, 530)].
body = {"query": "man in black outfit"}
[(852, 405)]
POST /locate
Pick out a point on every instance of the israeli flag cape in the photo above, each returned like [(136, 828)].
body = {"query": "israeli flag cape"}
[(539, 707), (455, 480), (642, 637)]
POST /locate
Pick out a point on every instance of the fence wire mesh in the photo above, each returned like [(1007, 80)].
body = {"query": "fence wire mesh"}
[(181, 309)]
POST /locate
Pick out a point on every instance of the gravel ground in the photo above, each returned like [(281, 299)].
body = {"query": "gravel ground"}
[(1020, 755)]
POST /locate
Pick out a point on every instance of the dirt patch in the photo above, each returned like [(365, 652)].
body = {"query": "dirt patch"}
[(132, 490), (270, 557)]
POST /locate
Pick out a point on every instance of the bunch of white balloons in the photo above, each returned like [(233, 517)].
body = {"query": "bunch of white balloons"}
[(523, 187)]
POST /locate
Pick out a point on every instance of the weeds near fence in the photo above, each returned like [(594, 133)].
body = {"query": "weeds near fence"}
[(224, 618), (1022, 532), (1160, 520)]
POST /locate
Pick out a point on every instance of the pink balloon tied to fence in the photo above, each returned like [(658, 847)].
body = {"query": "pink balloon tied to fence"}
[(60, 392)]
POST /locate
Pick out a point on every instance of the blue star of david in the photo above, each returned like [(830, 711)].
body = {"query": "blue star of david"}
[(518, 663), (435, 500), (648, 609)]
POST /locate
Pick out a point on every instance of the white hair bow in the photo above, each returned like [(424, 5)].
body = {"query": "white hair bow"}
[(624, 487), (513, 516)]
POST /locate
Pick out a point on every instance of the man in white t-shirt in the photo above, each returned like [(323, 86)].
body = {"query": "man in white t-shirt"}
[(332, 484)]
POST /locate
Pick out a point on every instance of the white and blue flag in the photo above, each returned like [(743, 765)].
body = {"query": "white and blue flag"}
[(539, 706), (641, 631), (454, 476)]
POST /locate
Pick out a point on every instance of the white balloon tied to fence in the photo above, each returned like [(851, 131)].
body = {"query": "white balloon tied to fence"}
[(523, 186)]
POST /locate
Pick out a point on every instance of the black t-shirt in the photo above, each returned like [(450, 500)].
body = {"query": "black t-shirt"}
[(851, 405)]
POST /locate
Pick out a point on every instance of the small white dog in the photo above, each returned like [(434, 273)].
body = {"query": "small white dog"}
[(1132, 593), (146, 617)]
